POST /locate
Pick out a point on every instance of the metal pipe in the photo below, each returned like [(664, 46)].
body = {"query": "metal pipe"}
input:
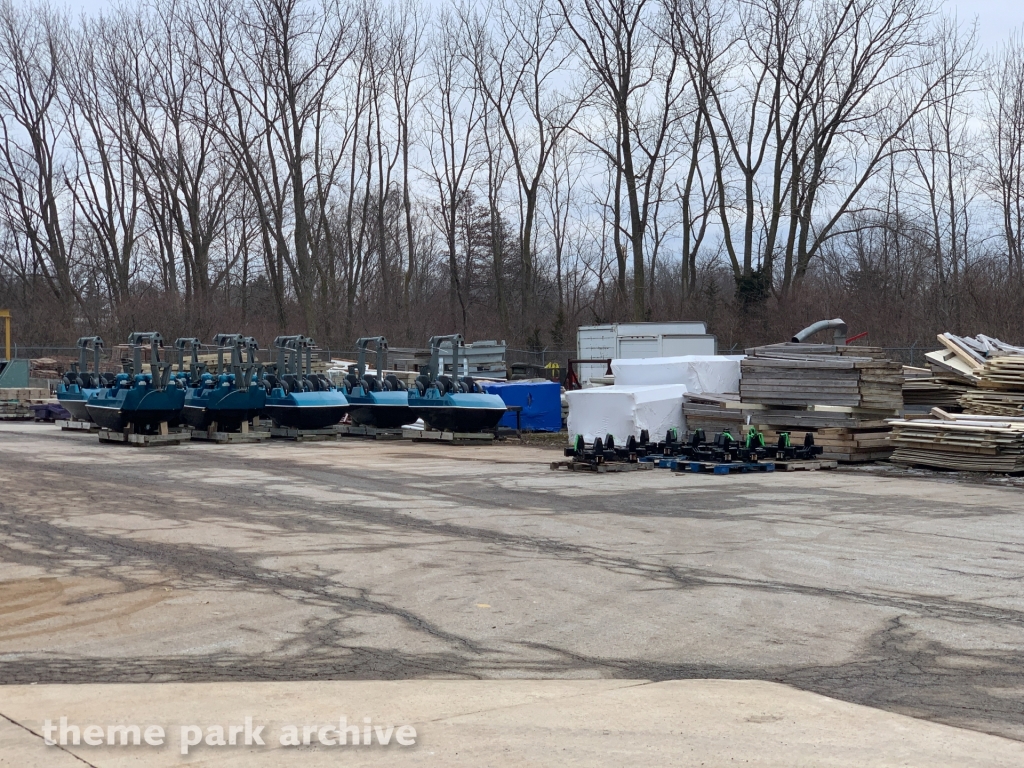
[(839, 326)]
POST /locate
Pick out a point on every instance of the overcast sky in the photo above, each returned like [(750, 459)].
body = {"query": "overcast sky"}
[(996, 18)]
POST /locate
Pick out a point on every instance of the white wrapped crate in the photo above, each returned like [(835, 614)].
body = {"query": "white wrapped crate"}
[(622, 411), (698, 373)]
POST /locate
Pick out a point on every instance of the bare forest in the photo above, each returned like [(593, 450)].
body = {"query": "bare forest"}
[(508, 169)]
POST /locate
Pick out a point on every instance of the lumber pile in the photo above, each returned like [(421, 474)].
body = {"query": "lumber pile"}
[(1000, 390), (45, 368), (964, 357), (963, 442), (715, 413), (845, 435), (1004, 373), (851, 444), (989, 403), (986, 374), (842, 395), (15, 402), (821, 374), (924, 388), (24, 395)]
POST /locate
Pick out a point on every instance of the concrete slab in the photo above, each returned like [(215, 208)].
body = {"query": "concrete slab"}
[(482, 723)]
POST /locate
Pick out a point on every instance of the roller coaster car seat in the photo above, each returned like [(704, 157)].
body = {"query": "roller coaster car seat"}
[(470, 384), (371, 383), (444, 384), (270, 381), (350, 382), (422, 383), (394, 383)]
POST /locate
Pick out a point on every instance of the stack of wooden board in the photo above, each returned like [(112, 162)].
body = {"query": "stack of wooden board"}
[(15, 402), (1004, 373), (924, 388), (715, 412), (846, 434), (964, 357), (46, 368), (1000, 390), (992, 403), (965, 442), (842, 395), (790, 375), (849, 444)]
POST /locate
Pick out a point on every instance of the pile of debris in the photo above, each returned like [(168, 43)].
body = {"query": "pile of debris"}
[(965, 442)]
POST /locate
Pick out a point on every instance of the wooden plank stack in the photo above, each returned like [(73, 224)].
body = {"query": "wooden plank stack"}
[(924, 388), (821, 374), (992, 370), (842, 395), (963, 442), (715, 413), (15, 402), (844, 444), (989, 403)]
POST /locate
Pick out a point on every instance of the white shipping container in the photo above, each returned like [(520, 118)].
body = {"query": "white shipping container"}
[(638, 340)]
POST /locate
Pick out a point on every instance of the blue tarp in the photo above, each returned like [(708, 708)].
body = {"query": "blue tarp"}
[(541, 402)]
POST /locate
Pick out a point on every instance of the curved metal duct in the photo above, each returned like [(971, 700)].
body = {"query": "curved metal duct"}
[(839, 338)]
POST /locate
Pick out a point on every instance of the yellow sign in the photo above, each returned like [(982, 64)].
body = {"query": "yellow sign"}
[(6, 315)]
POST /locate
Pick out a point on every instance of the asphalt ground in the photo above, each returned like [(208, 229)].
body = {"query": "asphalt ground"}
[(364, 560)]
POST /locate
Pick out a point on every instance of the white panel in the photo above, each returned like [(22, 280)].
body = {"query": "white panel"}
[(681, 328), (632, 347), (673, 346)]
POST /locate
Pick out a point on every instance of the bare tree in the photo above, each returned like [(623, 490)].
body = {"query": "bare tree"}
[(1006, 139), (454, 112), (639, 78), (520, 52), (32, 51), (943, 159)]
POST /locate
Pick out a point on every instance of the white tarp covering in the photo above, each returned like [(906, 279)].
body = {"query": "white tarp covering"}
[(624, 411), (698, 373)]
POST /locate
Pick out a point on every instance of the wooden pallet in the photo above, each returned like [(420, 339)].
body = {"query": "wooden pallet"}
[(370, 433), (70, 425), (724, 469), (608, 466), (664, 462), (805, 464), (304, 435), (229, 437), (451, 438), (142, 441)]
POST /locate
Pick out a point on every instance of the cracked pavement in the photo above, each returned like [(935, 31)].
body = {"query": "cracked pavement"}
[(367, 560)]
